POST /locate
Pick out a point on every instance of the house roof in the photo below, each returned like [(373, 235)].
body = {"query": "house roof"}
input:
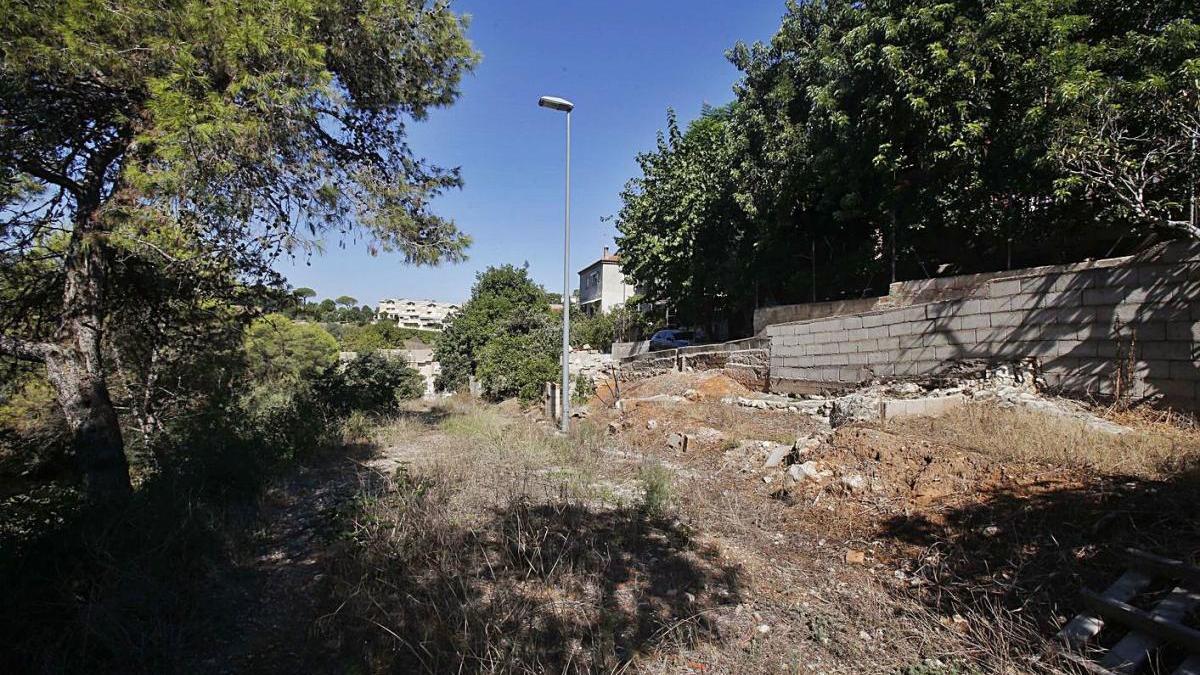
[(612, 259)]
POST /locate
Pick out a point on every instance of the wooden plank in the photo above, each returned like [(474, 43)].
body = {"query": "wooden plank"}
[(1128, 615), (1159, 566), (1189, 667), (1132, 652), (1085, 626)]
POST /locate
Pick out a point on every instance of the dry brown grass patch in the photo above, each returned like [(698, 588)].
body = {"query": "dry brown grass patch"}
[(1014, 434)]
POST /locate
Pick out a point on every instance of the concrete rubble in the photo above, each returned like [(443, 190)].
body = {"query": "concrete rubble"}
[(1014, 385)]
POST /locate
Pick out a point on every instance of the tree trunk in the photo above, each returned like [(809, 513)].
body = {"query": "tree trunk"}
[(76, 369)]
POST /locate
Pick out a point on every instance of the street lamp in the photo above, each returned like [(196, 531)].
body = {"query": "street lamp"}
[(563, 105)]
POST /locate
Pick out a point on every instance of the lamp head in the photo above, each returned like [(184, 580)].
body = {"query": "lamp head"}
[(556, 103)]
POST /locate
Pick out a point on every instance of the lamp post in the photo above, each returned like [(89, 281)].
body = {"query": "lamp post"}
[(563, 105)]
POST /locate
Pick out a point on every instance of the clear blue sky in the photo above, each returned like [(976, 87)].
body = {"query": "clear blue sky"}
[(622, 62)]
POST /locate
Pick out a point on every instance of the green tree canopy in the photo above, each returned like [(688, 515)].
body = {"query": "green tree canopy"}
[(213, 136), (279, 349), (891, 139), (504, 300)]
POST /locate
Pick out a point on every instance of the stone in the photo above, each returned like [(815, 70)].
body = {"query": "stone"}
[(614, 427), (806, 444), (854, 482), (678, 441), (856, 407), (806, 471), (651, 424), (779, 455), (691, 395), (855, 557)]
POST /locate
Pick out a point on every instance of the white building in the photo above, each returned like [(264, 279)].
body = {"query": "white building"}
[(421, 314), (602, 285)]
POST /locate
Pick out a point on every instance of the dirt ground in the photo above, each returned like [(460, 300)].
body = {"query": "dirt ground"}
[(472, 538)]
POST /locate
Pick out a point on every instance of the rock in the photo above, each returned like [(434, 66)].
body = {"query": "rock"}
[(779, 454), (691, 395), (768, 479), (678, 441), (856, 407), (805, 445), (614, 427), (855, 557), (991, 531), (854, 482), (805, 471), (651, 424)]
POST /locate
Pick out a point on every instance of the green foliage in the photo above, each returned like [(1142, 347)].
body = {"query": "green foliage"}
[(382, 335), (279, 349), (520, 364), (370, 383), (504, 302), (584, 390), (595, 330), (656, 481), (937, 130)]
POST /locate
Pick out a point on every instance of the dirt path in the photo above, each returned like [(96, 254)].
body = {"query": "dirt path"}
[(275, 589)]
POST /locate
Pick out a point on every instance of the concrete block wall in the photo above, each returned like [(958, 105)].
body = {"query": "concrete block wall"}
[(1082, 323)]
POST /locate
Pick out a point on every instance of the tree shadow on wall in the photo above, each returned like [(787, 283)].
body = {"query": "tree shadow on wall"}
[(546, 587), (1124, 330)]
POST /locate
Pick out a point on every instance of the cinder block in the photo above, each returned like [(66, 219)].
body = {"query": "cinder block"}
[(847, 347), (1149, 330), (1171, 351), (1020, 302), (1103, 296), (972, 322), (857, 334), (1000, 289), (866, 345), (1071, 281), (1184, 370), (888, 343), (857, 359), (874, 320), (852, 322), (893, 409), (1182, 330), (876, 332), (827, 360)]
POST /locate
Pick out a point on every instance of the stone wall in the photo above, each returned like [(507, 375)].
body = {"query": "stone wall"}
[(1128, 323)]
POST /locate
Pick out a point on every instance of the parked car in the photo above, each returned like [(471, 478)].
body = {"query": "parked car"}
[(671, 338)]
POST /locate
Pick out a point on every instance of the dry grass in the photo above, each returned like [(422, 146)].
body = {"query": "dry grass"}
[(1014, 434), (491, 555)]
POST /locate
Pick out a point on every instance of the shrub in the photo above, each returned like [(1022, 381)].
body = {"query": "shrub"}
[(371, 383), (518, 365)]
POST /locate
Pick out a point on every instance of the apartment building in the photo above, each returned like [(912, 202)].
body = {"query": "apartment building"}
[(420, 314)]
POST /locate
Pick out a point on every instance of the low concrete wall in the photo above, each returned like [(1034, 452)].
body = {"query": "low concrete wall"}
[(625, 350), (1125, 322)]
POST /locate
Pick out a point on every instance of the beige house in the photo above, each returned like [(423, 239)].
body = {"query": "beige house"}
[(602, 285)]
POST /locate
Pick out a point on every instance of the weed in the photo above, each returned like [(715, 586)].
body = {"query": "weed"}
[(357, 428), (656, 481)]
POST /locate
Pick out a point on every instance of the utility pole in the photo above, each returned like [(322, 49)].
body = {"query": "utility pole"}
[(563, 105)]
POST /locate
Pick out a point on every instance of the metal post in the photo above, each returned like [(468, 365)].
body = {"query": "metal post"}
[(566, 331), (1195, 219)]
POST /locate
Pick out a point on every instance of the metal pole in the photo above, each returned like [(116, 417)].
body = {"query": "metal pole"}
[(1195, 212), (566, 335)]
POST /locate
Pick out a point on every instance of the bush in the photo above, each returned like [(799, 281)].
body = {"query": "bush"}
[(371, 384), (519, 365)]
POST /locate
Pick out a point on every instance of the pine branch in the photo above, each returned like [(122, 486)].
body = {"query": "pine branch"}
[(25, 350)]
